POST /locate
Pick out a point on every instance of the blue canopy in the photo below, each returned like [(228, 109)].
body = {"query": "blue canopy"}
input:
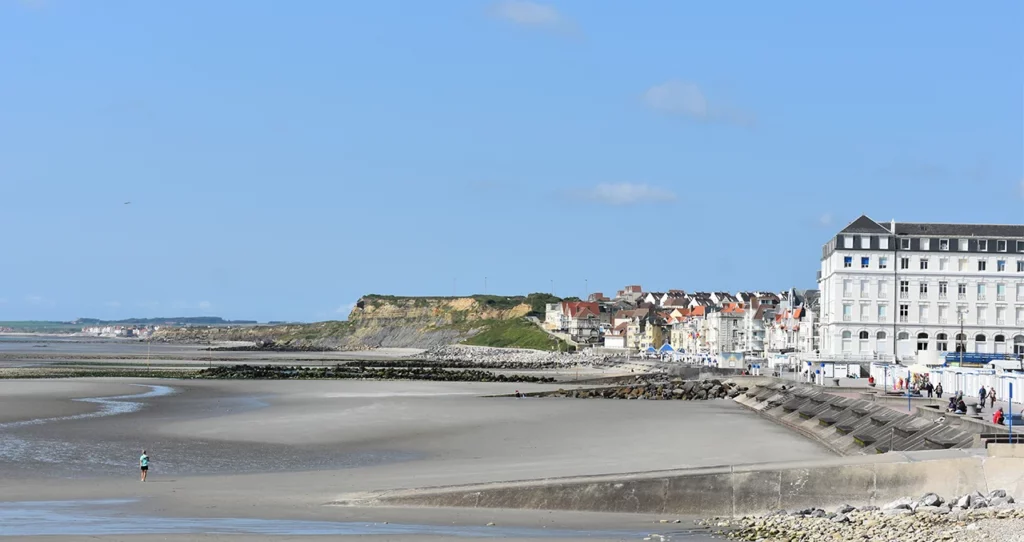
[(651, 349), (666, 348)]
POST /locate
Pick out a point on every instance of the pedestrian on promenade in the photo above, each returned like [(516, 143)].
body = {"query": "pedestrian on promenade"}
[(938, 390), (929, 388), (991, 397), (981, 395)]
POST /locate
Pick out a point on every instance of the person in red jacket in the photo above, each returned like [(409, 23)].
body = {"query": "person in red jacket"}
[(997, 417)]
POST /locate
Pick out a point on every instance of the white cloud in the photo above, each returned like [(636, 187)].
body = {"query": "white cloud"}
[(38, 301), (825, 219), (684, 98), (527, 13), (624, 194), (345, 309)]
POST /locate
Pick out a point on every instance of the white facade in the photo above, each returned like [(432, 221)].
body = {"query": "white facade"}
[(922, 286), (725, 332)]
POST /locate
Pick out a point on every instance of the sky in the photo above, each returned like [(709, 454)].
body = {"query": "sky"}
[(281, 159)]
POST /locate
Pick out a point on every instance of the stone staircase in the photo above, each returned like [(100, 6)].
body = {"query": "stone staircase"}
[(851, 426)]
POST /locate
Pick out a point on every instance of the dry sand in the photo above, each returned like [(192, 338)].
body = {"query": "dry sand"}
[(282, 449)]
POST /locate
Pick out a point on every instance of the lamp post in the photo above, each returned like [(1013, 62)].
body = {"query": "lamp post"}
[(960, 312), (895, 295)]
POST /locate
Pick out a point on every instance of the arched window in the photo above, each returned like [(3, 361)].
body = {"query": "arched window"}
[(880, 335), (922, 341), (942, 342), (980, 338), (864, 335), (903, 336), (847, 335), (847, 341), (999, 339)]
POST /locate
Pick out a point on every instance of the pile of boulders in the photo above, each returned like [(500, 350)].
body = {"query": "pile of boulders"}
[(516, 357), (925, 519), (678, 390), (277, 372)]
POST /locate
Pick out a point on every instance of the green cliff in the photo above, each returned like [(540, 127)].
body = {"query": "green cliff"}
[(399, 322)]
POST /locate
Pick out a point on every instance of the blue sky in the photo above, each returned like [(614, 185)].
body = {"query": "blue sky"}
[(283, 158)]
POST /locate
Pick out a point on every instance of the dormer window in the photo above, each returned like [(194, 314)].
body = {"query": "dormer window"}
[(1001, 246), (983, 245), (904, 244)]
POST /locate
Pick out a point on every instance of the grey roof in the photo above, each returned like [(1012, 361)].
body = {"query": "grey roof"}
[(864, 225), (960, 230)]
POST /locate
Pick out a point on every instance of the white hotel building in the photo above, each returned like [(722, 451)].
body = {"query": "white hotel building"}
[(919, 283)]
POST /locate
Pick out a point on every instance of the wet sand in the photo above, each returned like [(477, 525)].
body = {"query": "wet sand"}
[(283, 449)]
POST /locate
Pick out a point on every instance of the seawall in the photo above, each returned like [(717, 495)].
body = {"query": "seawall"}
[(739, 489)]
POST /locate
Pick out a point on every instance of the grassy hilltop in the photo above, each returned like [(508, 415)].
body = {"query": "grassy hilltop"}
[(401, 321)]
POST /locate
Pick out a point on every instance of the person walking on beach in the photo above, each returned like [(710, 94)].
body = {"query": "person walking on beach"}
[(991, 397), (143, 465)]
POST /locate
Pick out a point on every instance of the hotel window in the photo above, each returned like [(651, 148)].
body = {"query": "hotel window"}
[(883, 243), (904, 312), (1001, 265), (923, 287), (1020, 246), (847, 241), (963, 245), (865, 263), (983, 245), (1001, 246), (1000, 291), (904, 288), (942, 342), (847, 312), (847, 288), (883, 262), (961, 264), (924, 263), (848, 261), (926, 244), (981, 291), (943, 313), (883, 289), (943, 244), (904, 263), (922, 341), (942, 288), (961, 289), (865, 312), (1020, 266), (865, 242), (881, 313), (943, 264), (1000, 316), (904, 244), (865, 288), (982, 264), (922, 314)]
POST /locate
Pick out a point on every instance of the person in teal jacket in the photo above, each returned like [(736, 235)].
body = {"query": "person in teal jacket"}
[(144, 465)]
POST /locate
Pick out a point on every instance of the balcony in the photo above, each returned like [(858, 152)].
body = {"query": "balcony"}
[(981, 297), (982, 321), (865, 293), (961, 296), (882, 318), (922, 295), (847, 318), (847, 293), (904, 295), (1000, 297), (1000, 321), (904, 319), (943, 320), (942, 295)]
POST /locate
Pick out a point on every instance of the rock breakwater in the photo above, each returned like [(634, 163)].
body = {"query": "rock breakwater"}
[(658, 391), (275, 372), (971, 517), (512, 356)]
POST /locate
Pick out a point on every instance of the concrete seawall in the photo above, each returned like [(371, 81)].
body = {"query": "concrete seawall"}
[(738, 490)]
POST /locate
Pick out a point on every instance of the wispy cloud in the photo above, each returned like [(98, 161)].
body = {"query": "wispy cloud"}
[(205, 305), (687, 99), (623, 194), (825, 219), (38, 301), (533, 15)]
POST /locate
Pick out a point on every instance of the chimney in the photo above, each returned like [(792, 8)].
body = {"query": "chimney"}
[(892, 227)]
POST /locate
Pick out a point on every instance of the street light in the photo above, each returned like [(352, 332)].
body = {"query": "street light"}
[(960, 312)]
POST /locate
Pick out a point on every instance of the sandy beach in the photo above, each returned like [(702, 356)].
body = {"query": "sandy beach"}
[(282, 450)]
